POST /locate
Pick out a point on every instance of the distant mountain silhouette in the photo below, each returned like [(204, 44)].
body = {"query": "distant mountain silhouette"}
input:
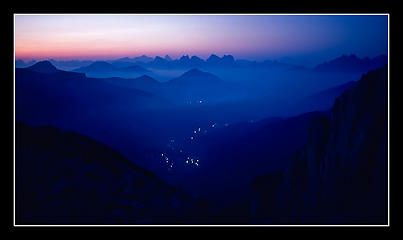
[(116, 69), (160, 61), (184, 61), (146, 79), (351, 63), (213, 59), (98, 66), (195, 77), (144, 82), (227, 60), (43, 67), (195, 61), (142, 58), (68, 65), (168, 58)]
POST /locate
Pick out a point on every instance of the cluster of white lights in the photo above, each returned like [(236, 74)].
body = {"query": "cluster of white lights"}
[(192, 161), (199, 130), (170, 164)]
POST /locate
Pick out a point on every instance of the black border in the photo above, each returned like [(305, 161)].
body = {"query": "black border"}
[(168, 7)]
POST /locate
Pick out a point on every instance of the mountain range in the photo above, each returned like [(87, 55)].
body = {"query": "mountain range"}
[(350, 63), (105, 69), (325, 166)]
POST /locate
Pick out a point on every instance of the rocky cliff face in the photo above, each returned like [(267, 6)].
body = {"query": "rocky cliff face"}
[(340, 175)]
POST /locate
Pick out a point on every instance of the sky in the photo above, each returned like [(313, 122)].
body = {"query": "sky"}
[(306, 38)]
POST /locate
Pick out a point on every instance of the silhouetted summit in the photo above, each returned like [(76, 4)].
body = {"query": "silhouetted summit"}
[(43, 67), (196, 61), (196, 77), (168, 58), (227, 59), (213, 59), (196, 72), (159, 60)]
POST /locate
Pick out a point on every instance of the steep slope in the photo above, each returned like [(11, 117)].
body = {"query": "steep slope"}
[(67, 178), (322, 100), (340, 175)]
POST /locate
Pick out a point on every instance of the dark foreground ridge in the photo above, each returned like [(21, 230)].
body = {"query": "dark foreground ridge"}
[(67, 178)]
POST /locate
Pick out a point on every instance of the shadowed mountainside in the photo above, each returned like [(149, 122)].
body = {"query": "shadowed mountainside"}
[(67, 178), (340, 175)]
